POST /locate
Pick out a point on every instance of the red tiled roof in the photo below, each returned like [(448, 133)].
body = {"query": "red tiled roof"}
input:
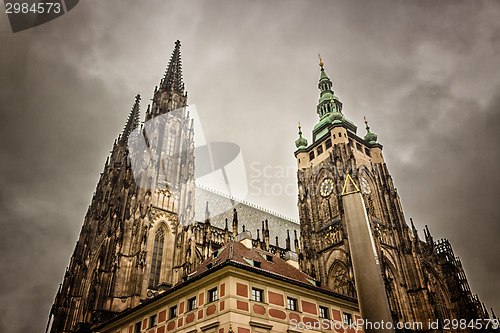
[(237, 253)]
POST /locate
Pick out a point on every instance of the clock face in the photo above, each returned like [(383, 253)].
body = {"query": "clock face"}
[(326, 187), (365, 186)]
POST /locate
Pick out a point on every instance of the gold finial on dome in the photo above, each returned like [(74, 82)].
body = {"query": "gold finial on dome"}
[(320, 60)]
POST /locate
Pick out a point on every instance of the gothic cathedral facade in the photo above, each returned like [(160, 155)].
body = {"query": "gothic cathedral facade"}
[(133, 239), (140, 235)]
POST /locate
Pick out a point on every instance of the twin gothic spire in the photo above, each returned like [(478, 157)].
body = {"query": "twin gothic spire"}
[(171, 82), (132, 121), (329, 106), (173, 75)]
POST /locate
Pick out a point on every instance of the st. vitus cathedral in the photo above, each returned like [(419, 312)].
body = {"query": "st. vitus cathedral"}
[(149, 225)]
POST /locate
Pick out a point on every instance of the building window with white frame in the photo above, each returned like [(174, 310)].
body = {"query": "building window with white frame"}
[(192, 303), (257, 295), (291, 304), (323, 312), (346, 318), (212, 295)]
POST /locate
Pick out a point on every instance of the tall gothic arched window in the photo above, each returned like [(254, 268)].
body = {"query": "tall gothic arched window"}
[(169, 148), (154, 276)]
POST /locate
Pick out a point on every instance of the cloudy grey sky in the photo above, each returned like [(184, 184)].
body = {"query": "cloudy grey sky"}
[(425, 74)]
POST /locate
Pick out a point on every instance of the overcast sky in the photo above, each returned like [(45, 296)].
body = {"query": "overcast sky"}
[(425, 74)]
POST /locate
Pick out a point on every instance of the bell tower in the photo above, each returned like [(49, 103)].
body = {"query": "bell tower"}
[(336, 152), (423, 279)]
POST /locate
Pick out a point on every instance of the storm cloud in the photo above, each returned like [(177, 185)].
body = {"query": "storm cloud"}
[(424, 73)]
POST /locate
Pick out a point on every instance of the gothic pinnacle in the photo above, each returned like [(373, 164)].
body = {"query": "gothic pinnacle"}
[(235, 223), (132, 121), (207, 213), (173, 75), (414, 229), (412, 224)]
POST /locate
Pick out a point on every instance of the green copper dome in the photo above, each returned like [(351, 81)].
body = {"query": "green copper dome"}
[(300, 142), (370, 137)]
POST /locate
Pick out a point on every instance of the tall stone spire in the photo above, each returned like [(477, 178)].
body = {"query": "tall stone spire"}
[(132, 121), (173, 75), (170, 95)]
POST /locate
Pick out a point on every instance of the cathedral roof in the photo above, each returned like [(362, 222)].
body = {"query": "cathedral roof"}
[(221, 208), (254, 259)]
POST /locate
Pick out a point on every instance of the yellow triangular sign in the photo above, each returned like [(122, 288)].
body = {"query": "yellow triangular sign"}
[(345, 190)]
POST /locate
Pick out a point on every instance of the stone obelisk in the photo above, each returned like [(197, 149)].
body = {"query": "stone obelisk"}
[(370, 287)]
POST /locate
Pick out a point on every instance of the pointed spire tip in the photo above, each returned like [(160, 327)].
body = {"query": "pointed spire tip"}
[(132, 121), (173, 74)]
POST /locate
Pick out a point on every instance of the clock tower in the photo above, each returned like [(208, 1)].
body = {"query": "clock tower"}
[(417, 285), (335, 152)]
